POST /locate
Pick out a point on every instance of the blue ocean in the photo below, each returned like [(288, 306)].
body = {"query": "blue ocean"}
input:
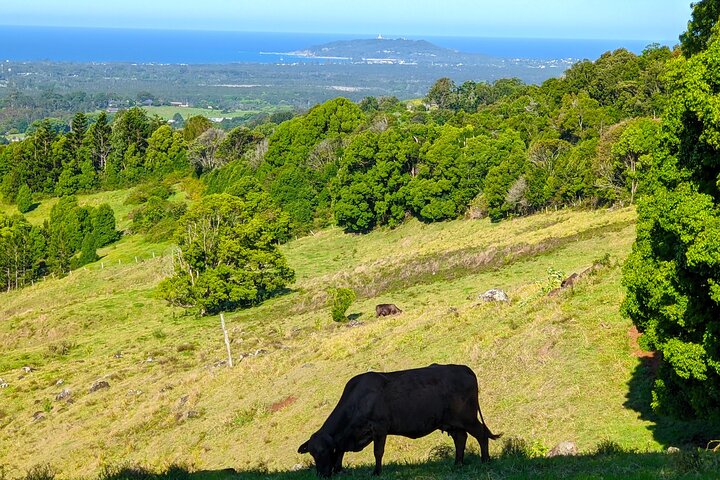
[(202, 47)]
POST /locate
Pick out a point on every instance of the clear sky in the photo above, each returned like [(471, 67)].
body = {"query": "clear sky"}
[(653, 20)]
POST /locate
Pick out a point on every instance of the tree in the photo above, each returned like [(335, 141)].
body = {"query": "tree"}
[(672, 276), (196, 126), (229, 256), (238, 141), (705, 15), (103, 225), (88, 251), (442, 94), (22, 252), (203, 151), (99, 134), (78, 129), (178, 122), (166, 151), (66, 229), (339, 300), (24, 199)]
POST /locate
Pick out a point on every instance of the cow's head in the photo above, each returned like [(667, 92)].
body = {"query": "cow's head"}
[(324, 451)]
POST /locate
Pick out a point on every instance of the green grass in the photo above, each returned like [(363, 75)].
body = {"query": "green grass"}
[(115, 199), (168, 112), (549, 369)]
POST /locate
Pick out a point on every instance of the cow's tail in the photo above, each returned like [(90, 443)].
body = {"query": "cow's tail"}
[(491, 436)]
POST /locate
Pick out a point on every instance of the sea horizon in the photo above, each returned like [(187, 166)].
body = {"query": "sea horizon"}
[(96, 44)]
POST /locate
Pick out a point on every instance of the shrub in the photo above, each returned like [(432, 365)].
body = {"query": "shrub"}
[(608, 447), (142, 193), (339, 300), (24, 199), (516, 447), (40, 472)]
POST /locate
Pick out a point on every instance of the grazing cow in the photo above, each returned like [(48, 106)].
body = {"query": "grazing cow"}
[(385, 309), (411, 403)]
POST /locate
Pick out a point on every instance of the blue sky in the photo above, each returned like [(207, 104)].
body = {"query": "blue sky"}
[(653, 20)]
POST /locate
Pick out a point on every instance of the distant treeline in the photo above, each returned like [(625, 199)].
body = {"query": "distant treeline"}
[(474, 149)]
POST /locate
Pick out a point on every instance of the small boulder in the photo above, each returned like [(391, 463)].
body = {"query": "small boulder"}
[(38, 416), (99, 385), (59, 382), (3, 383), (28, 369), (563, 449), (672, 450), (495, 295), (354, 323), (64, 395)]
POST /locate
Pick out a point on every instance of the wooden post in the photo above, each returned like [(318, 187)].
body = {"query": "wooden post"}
[(227, 341)]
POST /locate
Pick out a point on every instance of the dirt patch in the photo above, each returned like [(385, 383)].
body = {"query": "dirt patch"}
[(277, 406), (652, 358)]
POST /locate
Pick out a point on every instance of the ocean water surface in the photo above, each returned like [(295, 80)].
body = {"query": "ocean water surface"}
[(21, 43)]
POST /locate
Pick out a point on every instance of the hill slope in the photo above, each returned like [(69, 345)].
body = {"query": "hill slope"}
[(549, 369)]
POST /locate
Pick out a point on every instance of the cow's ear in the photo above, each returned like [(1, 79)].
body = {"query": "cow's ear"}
[(304, 447)]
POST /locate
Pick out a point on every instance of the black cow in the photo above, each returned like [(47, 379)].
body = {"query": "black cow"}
[(386, 309), (411, 403)]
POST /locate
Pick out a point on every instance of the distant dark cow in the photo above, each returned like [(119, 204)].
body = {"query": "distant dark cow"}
[(410, 403), (570, 281), (385, 309)]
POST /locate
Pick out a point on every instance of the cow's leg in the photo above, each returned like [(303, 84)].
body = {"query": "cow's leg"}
[(459, 437), (379, 449), (480, 432), (337, 468)]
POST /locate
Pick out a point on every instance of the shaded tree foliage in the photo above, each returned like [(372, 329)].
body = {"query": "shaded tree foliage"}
[(673, 274)]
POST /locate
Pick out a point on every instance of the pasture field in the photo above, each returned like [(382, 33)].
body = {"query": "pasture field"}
[(167, 112), (550, 369)]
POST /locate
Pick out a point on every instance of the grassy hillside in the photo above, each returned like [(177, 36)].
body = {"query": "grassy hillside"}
[(549, 369)]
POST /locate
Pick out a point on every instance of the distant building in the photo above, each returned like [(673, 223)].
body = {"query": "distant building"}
[(179, 104)]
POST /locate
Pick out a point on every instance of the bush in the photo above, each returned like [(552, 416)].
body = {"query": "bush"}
[(24, 199), (516, 447), (339, 300), (142, 193), (157, 212), (608, 447), (40, 472)]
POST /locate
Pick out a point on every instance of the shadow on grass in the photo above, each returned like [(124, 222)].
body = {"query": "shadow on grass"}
[(609, 466), (666, 430), (33, 207)]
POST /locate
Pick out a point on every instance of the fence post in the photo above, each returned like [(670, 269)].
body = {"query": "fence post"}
[(227, 341)]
